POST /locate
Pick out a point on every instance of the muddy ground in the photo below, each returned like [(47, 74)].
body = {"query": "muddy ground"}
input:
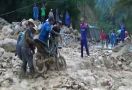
[(81, 74)]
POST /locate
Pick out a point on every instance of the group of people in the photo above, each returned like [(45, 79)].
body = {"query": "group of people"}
[(55, 15), (114, 37), (42, 12), (25, 47)]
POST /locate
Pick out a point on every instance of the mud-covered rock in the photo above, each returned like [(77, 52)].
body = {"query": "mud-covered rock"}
[(7, 31), (9, 44), (6, 83), (124, 88), (3, 23)]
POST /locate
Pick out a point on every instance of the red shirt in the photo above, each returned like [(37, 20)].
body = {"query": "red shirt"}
[(102, 36)]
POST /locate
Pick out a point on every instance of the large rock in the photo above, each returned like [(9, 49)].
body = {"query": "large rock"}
[(8, 44), (3, 23), (124, 88), (17, 27), (6, 30)]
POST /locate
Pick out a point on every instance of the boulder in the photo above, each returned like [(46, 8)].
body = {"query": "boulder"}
[(89, 80), (9, 44), (24, 23), (124, 88), (3, 23), (7, 82), (6, 30), (130, 65)]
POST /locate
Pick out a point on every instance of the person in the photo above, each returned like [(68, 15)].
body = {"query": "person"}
[(51, 15), (118, 36), (126, 33), (107, 40), (56, 29), (27, 48), (35, 12), (24, 25), (55, 33), (44, 2), (122, 32), (102, 38), (113, 38), (83, 29), (45, 30), (67, 19), (18, 45), (43, 13)]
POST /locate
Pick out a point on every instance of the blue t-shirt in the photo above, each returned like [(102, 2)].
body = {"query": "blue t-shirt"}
[(45, 30), (83, 29), (35, 12), (122, 35), (113, 38)]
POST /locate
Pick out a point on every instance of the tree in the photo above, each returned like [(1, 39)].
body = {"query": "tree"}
[(123, 10)]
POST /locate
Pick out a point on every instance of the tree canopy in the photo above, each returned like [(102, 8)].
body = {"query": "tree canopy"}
[(108, 13)]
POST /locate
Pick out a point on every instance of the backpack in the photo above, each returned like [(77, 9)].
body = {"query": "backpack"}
[(20, 37), (18, 45)]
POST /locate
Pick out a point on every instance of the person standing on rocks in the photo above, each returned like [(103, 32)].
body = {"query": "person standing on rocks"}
[(102, 38), (83, 29), (27, 49), (43, 13), (113, 38), (122, 34), (24, 25), (67, 19), (107, 40), (35, 12), (45, 30), (51, 15), (56, 33)]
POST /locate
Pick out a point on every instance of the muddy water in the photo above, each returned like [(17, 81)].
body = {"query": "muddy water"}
[(81, 74)]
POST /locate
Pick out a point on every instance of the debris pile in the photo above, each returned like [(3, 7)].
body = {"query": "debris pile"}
[(102, 70), (3, 23)]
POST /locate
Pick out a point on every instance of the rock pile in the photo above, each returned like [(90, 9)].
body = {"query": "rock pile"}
[(3, 23), (102, 70), (69, 36)]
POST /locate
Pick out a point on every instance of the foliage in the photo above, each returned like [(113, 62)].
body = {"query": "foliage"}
[(123, 11), (112, 12), (62, 5), (108, 12)]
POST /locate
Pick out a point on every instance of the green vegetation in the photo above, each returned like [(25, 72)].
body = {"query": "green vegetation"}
[(107, 13)]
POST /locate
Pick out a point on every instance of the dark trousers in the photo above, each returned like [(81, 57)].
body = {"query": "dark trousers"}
[(84, 44), (18, 51), (27, 58), (43, 19)]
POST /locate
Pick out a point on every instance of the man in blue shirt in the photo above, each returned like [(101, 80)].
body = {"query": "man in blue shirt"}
[(122, 33), (45, 30), (83, 29), (67, 19), (35, 12)]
